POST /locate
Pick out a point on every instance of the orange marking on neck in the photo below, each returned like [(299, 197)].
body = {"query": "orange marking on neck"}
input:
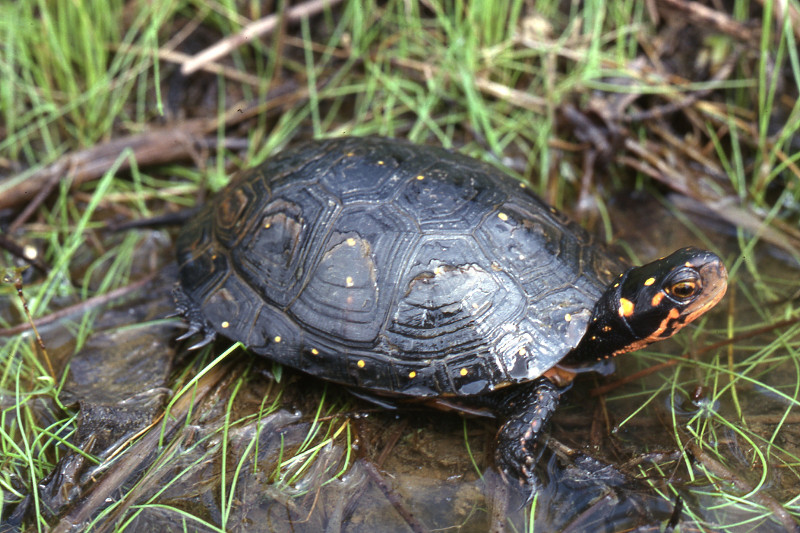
[(673, 314)]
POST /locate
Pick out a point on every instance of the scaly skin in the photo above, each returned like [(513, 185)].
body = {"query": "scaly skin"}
[(519, 442)]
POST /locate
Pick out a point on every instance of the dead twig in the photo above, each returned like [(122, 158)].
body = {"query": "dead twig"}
[(81, 307), (151, 148), (47, 187), (705, 16), (722, 472), (414, 524), (252, 31)]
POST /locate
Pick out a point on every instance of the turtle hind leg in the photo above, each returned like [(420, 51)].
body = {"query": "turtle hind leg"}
[(518, 444), (196, 322)]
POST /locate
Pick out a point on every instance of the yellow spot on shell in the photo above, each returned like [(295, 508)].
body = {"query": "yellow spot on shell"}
[(381, 163), (522, 185), (502, 216), (351, 241), (412, 374), (522, 351), (687, 264), (267, 225), (314, 351), (277, 338), (626, 307), (350, 154), (568, 317), (226, 324), (420, 177), (348, 281), (361, 363), (649, 281), (463, 372)]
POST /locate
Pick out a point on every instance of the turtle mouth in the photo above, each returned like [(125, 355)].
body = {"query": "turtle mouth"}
[(715, 284)]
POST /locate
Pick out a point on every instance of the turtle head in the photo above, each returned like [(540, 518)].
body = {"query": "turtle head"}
[(651, 303)]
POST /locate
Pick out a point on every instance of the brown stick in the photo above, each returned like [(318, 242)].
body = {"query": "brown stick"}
[(252, 31), (80, 307), (722, 472), (151, 148)]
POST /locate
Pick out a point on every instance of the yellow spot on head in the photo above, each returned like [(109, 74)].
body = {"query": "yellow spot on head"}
[(226, 324), (687, 264), (522, 185), (649, 281), (420, 177), (267, 225), (626, 307), (381, 162), (350, 154), (277, 338), (568, 317), (351, 241), (502, 216), (475, 305), (348, 281), (657, 297), (361, 363), (522, 351), (314, 351), (463, 372), (412, 374)]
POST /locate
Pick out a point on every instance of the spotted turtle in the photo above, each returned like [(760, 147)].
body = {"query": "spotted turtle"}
[(416, 271)]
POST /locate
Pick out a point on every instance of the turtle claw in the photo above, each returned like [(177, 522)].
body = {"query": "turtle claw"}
[(192, 329), (209, 336), (196, 321)]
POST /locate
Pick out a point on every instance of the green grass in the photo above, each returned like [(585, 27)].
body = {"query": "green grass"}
[(487, 78)]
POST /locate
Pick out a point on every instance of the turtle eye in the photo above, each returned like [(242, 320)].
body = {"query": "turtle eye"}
[(683, 289)]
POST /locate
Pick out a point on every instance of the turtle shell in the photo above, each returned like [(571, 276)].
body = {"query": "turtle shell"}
[(392, 267)]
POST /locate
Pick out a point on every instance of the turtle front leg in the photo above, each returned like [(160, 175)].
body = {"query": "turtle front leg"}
[(526, 413)]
